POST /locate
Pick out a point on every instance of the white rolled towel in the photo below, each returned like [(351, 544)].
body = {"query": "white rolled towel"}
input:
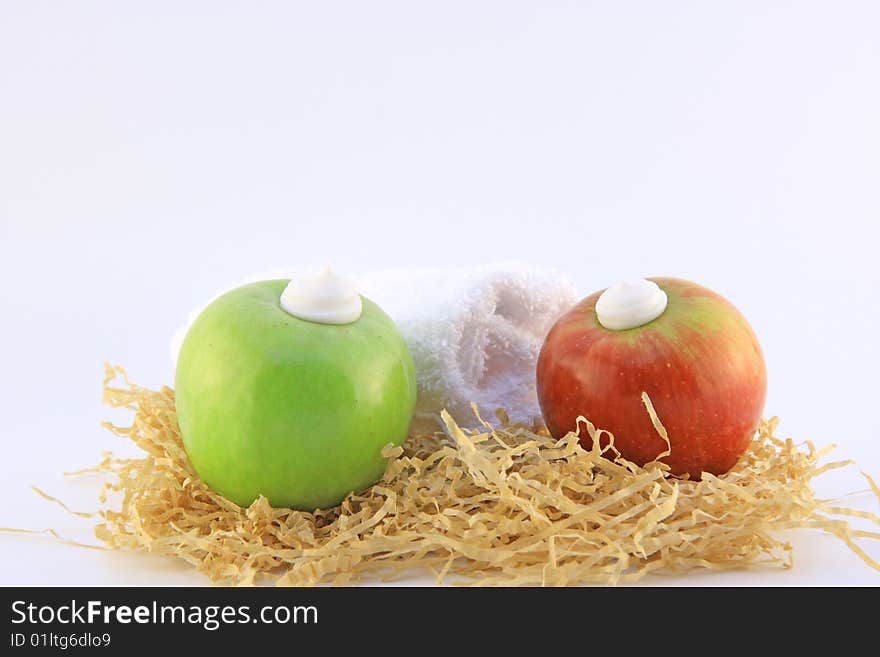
[(474, 333)]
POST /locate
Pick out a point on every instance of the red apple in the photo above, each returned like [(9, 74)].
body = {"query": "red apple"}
[(699, 361)]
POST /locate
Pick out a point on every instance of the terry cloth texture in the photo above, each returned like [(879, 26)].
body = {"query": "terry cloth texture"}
[(475, 333)]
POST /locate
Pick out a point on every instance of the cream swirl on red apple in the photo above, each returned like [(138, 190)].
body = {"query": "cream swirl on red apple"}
[(630, 304)]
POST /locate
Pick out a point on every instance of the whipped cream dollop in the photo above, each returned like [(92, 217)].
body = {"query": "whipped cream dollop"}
[(325, 298), (630, 304)]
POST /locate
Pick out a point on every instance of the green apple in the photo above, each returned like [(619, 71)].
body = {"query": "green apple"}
[(298, 411)]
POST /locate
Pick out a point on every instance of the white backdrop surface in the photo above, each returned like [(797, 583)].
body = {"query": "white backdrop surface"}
[(152, 155)]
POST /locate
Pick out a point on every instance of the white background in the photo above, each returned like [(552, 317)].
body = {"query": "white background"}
[(153, 155)]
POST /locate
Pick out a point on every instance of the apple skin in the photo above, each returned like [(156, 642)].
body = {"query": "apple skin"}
[(699, 362), (270, 404)]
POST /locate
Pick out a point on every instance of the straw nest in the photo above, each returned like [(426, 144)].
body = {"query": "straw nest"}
[(501, 505)]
